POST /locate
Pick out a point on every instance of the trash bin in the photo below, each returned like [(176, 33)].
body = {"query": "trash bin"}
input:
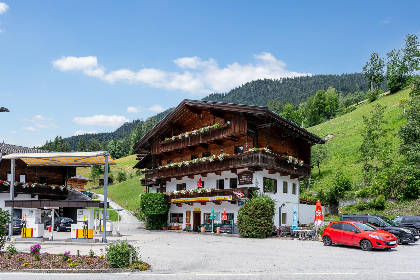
[(218, 230), (203, 229), (49, 228)]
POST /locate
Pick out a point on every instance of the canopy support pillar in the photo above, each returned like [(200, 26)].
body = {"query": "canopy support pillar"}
[(105, 198), (12, 197)]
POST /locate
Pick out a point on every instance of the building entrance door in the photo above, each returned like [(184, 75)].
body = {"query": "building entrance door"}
[(196, 220)]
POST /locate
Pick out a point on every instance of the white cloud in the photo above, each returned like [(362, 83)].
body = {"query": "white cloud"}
[(40, 125), (102, 120), (81, 132), (3, 7), (30, 128), (1, 31), (203, 77), (155, 108), (13, 131), (38, 118), (385, 21), (132, 109)]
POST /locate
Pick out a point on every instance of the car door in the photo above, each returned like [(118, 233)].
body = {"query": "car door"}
[(417, 222), (335, 232), (350, 234)]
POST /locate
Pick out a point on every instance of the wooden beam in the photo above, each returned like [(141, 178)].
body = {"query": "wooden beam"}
[(283, 174), (203, 174), (294, 176), (218, 173), (234, 170), (174, 126), (178, 178), (194, 110), (203, 203), (191, 176), (218, 202), (217, 113), (204, 145), (232, 202), (272, 171)]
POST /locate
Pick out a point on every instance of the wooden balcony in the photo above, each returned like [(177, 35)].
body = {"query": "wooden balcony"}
[(258, 160), (215, 135), (226, 192), (42, 191)]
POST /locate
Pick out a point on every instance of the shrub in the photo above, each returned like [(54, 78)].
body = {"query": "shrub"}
[(155, 209), (4, 218), (255, 218), (12, 249), (122, 176), (156, 222), (118, 254)]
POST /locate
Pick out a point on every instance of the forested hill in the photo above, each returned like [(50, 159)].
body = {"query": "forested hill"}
[(118, 134), (293, 90), (259, 92)]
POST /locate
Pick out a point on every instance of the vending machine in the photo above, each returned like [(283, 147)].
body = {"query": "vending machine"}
[(109, 225), (31, 223), (83, 229)]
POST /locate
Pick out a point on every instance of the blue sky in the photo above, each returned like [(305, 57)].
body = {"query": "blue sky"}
[(69, 67)]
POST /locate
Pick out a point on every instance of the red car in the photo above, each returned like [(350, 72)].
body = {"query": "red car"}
[(358, 234)]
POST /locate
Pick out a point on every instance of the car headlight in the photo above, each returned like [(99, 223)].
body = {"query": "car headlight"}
[(375, 236), (405, 230)]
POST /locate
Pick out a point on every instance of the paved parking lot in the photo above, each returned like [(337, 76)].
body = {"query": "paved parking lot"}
[(186, 256)]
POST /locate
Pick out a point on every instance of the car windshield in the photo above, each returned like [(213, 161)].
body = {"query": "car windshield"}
[(67, 220), (17, 222), (389, 222), (365, 226), (397, 219)]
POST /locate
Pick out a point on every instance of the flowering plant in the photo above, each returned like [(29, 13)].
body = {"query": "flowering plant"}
[(34, 249), (193, 132), (259, 149), (291, 159)]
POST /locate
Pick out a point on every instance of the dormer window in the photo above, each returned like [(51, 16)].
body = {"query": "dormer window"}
[(239, 150)]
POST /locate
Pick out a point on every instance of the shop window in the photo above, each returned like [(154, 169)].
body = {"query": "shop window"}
[(239, 150), (177, 218), (44, 180), (207, 217), (206, 154), (294, 188), (194, 157), (283, 218), (221, 184), (233, 183), (229, 220), (180, 187), (22, 178), (270, 185), (284, 187)]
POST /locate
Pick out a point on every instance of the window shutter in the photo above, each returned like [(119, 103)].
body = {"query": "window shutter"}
[(275, 186), (187, 217)]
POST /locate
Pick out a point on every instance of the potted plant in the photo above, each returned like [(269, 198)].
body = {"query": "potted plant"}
[(165, 226), (187, 227)]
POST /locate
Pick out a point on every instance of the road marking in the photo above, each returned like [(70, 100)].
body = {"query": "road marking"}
[(225, 274), (406, 272), (324, 273)]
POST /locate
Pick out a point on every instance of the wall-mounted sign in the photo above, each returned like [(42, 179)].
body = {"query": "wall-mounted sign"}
[(240, 203), (197, 209), (245, 177), (202, 199)]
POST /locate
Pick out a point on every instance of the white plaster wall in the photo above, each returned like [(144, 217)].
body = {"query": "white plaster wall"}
[(6, 196), (307, 213), (288, 198)]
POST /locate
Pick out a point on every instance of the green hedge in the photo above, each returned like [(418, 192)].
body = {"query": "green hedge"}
[(154, 208), (255, 218)]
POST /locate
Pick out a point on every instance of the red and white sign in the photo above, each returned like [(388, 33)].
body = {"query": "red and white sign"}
[(199, 184), (239, 194)]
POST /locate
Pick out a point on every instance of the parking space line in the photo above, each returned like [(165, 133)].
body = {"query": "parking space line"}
[(406, 272), (324, 273), (225, 274)]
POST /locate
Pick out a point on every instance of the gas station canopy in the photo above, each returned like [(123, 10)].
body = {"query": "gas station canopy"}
[(63, 159)]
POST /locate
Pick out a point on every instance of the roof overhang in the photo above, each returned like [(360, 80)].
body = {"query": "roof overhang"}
[(53, 203), (63, 159)]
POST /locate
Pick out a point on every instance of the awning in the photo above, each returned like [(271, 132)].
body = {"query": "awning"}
[(63, 159), (54, 203)]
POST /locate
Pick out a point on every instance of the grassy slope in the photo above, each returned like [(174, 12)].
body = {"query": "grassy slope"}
[(344, 147), (125, 191)]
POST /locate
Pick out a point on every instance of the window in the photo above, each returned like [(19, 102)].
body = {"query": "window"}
[(22, 178), (157, 190), (177, 218), (294, 188), (206, 154), (180, 187), (207, 217), (194, 157), (408, 220), (283, 218), (349, 227), (69, 185), (270, 185), (78, 186), (337, 226), (239, 150), (233, 183), (221, 184), (202, 183), (284, 187), (44, 180), (9, 177), (374, 221)]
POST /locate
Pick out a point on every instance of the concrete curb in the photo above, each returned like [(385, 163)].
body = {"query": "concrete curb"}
[(112, 270)]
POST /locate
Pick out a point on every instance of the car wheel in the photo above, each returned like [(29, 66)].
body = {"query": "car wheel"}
[(327, 241), (399, 240), (366, 245), (57, 229)]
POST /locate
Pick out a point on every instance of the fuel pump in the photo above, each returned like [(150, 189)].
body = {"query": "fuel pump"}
[(31, 223), (83, 229), (109, 225)]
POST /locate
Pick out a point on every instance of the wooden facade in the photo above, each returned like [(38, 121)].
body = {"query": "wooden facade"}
[(241, 128)]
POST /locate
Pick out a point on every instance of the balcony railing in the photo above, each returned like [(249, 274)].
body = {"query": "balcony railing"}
[(253, 160), (38, 190), (219, 133), (246, 193)]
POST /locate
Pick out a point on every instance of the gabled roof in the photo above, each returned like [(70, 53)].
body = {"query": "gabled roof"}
[(258, 111), (80, 177), (7, 149)]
